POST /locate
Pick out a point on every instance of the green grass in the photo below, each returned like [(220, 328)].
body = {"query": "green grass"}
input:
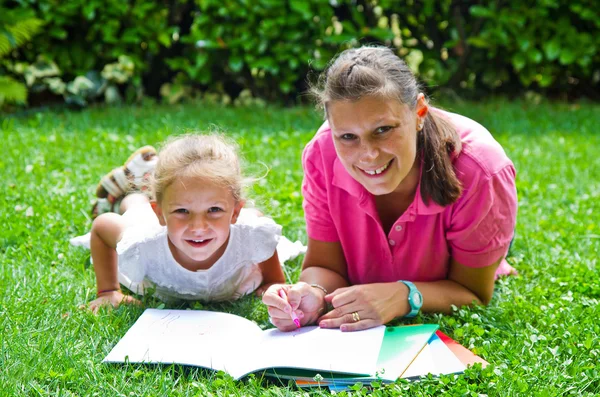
[(540, 332)]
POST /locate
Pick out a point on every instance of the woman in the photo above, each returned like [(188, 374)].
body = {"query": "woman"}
[(408, 208)]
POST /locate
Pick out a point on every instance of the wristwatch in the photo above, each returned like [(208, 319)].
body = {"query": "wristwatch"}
[(415, 299)]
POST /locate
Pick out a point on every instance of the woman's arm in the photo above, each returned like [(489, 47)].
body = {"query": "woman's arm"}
[(324, 264), (464, 286), (380, 303)]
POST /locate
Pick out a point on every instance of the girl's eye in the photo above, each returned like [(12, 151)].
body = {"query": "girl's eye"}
[(215, 209), (382, 130), (348, 137), (181, 211)]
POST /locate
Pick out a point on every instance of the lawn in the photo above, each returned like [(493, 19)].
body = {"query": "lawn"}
[(540, 331)]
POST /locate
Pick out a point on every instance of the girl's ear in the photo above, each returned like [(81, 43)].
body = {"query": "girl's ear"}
[(158, 212), (236, 211)]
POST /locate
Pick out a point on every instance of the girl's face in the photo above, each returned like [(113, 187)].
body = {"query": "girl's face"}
[(376, 141), (197, 214)]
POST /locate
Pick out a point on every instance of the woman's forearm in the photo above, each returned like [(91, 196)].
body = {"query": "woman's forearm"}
[(324, 277), (439, 296)]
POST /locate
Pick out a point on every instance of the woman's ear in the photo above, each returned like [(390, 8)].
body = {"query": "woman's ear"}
[(236, 211), (422, 106), (158, 212)]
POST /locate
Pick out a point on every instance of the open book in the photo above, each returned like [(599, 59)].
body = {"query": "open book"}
[(233, 344)]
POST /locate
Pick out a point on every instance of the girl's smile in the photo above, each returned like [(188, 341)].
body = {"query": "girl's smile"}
[(197, 213)]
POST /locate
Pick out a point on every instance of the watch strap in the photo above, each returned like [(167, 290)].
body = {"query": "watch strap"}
[(415, 299)]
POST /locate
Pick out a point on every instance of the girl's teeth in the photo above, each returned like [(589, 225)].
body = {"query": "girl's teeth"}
[(198, 241)]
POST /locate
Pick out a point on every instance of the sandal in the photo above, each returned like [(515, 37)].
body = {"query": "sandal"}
[(133, 176)]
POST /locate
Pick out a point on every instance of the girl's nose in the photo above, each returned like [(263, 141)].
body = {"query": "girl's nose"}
[(198, 222)]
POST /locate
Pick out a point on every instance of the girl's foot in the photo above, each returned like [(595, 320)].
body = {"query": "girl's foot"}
[(123, 180)]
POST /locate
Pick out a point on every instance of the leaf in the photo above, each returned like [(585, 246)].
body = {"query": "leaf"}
[(302, 7), (12, 91), (551, 49), (481, 12), (567, 56), (519, 61), (236, 63), (534, 55), (478, 42)]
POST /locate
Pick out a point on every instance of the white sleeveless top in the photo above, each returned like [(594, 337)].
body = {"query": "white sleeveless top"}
[(145, 261)]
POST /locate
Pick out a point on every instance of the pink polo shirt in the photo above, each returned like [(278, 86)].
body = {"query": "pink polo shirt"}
[(476, 230)]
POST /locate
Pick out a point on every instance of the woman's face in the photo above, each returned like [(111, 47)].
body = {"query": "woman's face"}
[(376, 141)]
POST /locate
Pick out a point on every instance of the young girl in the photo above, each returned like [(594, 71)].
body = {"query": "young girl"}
[(185, 243)]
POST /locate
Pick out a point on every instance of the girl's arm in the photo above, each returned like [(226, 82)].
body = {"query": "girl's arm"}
[(324, 267), (106, 233), (272, 273)]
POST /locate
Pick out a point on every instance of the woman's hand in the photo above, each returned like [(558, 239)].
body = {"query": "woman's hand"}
[(112, 298), (308, 303), (365, 306)]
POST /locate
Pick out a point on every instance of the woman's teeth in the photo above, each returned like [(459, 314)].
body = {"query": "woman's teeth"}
[(378, 170)]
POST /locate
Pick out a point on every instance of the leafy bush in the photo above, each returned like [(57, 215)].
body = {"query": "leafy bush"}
[(266, 49), (16, 28)]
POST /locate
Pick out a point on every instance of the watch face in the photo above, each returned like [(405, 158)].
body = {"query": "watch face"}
[(416, 298)]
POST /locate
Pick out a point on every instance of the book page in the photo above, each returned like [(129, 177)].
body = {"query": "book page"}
[(327, 350), (436, 359), (188, 337)]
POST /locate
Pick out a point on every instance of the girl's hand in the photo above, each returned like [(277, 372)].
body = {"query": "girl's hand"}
[(308, 303), (365, 306), (112, 298)]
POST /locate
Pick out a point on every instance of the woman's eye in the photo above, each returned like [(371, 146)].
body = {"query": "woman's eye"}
[(382, 130), (215, 209)]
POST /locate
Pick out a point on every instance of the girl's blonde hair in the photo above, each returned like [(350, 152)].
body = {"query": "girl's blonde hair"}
[(377, 71), (212, 158)]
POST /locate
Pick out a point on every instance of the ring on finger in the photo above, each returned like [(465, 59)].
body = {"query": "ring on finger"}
[(355, 317)]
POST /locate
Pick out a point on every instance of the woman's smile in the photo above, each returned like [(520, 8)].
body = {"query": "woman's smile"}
[(377, 172), (376, 142)]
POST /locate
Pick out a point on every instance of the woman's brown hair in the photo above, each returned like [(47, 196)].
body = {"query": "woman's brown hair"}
[(377, 71)]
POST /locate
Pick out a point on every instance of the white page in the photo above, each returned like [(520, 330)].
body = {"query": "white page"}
[(189, 337), (435, 358), (327, 350)]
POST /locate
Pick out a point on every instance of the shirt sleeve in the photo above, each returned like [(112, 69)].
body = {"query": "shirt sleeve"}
[(483, 221), (131, 254), (319, 223)]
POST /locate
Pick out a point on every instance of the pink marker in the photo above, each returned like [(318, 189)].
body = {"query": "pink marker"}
[(293, 314)]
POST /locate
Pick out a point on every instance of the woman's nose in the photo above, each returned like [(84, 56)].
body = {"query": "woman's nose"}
[(369, 152)]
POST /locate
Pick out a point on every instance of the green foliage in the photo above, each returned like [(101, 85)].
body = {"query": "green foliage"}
[(182, 49), (549, 45), (84, 35), (17, 27), (12, 91), (539, 332), (263, 46)]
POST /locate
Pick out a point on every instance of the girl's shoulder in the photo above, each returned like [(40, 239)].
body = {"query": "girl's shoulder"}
[(254, 238), (138, 236)]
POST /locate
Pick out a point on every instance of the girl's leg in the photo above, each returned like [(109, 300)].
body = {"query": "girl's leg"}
[(133, 200)]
